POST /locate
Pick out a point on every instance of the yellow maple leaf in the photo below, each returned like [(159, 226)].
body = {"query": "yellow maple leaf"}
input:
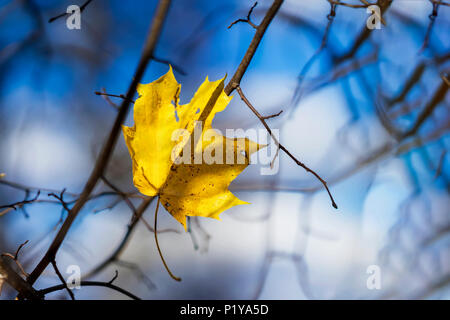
[(165, 150)]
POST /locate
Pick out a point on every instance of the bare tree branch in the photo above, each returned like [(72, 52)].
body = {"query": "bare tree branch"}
[(103, 159)]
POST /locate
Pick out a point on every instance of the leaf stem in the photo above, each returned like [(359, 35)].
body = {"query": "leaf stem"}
[(157, 244)]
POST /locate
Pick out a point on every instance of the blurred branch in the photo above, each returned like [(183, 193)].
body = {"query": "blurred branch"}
[(109, 285), (175, 67), (53, 192), (113, 95), (122, 194), (429, 291), (432, 16), (13, 49), (416, 77), (26, 188), (337, 73), (236, 79), (63, 281), (440, 164), (301, 77), (134, 267), (438, 96), (369, 159), (19, 204), (15, 258)]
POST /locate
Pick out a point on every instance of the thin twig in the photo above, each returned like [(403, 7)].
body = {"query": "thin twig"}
[(364, 33), (438, 96), (121, 96), (440, 164), (134, 267), (123, 195), (123, 244), (20, 204), (15, 258), (106, 96), (349, 5), (63, 281), (116, 275), (157, 244), (174, 66), (125, 198), (301, 77), (280, 146)]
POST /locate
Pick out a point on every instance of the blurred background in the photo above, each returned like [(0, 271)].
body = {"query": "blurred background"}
[(368, 110)]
